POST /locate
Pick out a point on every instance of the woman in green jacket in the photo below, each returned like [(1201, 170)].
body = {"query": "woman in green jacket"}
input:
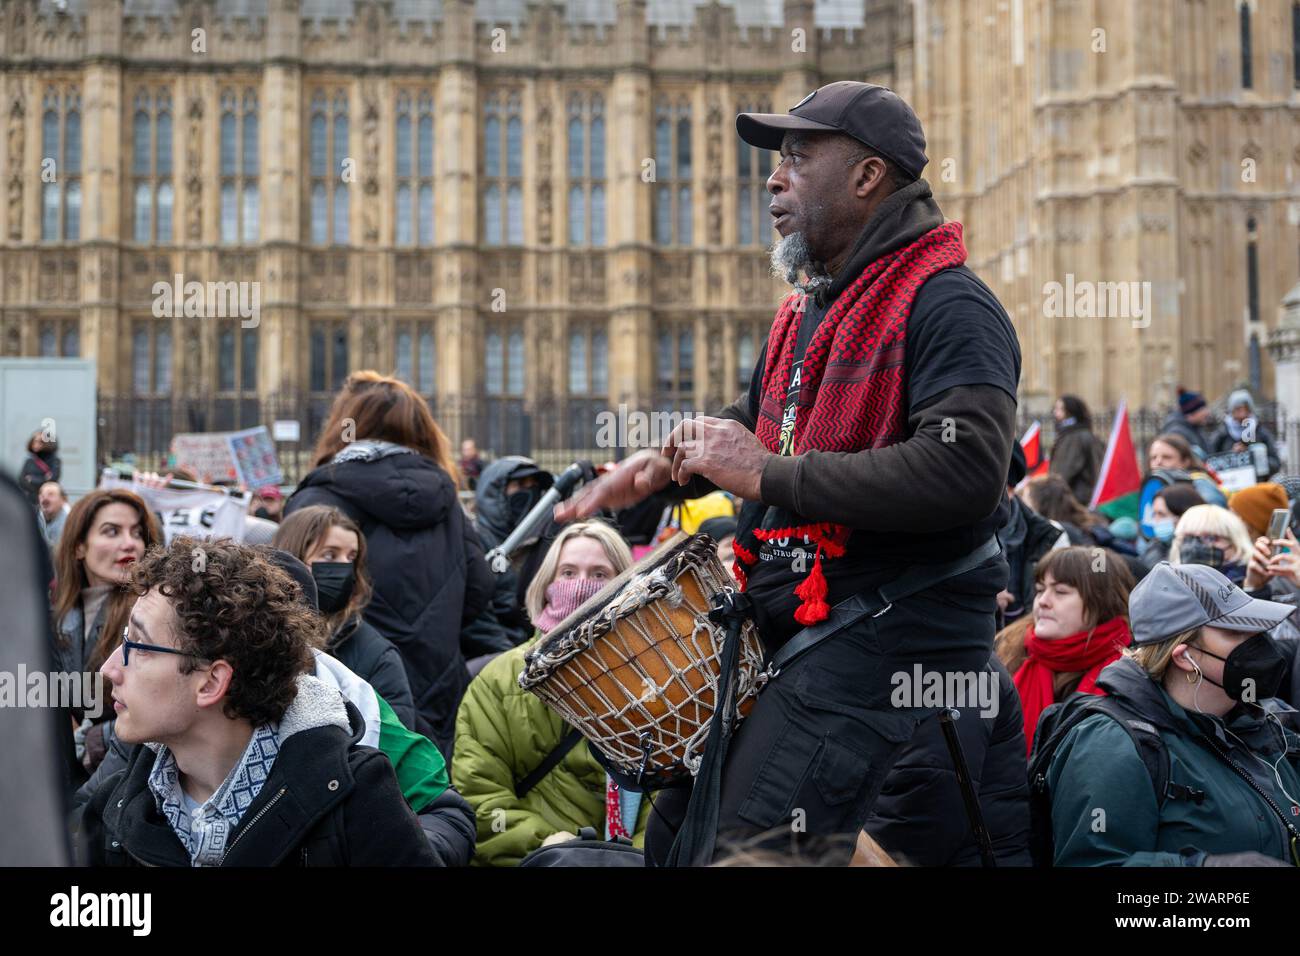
[(1201, 671), (504, 734)]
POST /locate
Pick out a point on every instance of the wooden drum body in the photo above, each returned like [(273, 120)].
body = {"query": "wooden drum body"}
[(636, 668)]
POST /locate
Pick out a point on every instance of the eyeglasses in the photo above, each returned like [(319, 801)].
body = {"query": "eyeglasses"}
[(128, 644)]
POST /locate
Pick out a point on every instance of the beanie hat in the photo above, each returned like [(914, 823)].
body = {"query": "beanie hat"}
[(1254, 505), (1126, 529), (1189, 402)]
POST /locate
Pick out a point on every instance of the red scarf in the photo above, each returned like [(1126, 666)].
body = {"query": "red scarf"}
[(1088, 651), (852, 389)]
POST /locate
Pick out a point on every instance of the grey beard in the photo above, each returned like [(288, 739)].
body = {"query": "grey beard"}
[(791, 256)]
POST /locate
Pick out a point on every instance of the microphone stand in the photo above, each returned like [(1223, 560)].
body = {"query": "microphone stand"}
[(498, 558)]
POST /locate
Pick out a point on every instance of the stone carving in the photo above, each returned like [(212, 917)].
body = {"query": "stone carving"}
[(544, 207), (713, 188), (194, 169), (17, 112), (370, 182)]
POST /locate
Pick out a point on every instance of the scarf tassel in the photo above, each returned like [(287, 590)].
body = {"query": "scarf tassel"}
[(812, 592)]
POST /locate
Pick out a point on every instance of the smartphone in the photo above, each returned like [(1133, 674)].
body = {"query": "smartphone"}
[(1277, 526)]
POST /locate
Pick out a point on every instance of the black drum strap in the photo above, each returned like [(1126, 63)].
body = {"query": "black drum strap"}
[(699, 831), (558, 753)]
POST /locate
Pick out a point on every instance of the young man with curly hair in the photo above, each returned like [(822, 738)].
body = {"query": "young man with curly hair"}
[(250, 761)]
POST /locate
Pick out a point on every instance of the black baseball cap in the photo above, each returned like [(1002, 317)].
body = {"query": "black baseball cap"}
[(874, 115)]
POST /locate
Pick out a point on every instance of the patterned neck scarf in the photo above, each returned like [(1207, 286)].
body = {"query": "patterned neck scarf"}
[(851, 388), (205, 834)]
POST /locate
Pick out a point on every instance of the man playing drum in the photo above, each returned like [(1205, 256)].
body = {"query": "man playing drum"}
[(871, 451)]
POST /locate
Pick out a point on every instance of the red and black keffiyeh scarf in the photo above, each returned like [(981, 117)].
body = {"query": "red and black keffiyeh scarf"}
[(851, 390)]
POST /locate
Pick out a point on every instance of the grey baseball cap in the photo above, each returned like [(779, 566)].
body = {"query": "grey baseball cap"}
[(1172, 599)]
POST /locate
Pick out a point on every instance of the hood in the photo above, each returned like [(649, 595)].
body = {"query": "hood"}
[(493, 515), (397, 489), (903, 217), (1241, 397), (316, 704), (1126, 680)]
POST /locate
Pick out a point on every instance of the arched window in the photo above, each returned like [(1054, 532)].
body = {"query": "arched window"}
[(329, 150), (586, 169), (673, 207), (239, 167), (503, 135), (61, 144), (414, 144)]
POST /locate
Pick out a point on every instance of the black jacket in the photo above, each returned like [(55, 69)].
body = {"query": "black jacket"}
[(327, 802), (920, 816), (1040, 537), (376, 660), (427, 566), (1076, 457), (1222, 441), (32, 475)]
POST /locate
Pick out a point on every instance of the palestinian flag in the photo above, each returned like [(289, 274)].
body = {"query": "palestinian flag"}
[(1031, 443), (1118, 483), (419, 765)]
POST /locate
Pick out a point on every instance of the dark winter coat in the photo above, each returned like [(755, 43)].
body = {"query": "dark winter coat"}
[(1076, 457), (1222, 441), (327, 802), (426, 563), (1176, 424), (33, 475), (1041, 536), (1097, 777), (921, 818)]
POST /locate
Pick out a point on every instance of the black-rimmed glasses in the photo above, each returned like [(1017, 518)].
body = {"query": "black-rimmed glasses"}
[(128, 644)]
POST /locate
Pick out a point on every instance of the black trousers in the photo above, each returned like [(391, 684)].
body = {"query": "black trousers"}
[(806, 766)]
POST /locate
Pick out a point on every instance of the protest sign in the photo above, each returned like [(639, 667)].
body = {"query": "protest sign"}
[(254, 456), (199, 512), (206, 454)]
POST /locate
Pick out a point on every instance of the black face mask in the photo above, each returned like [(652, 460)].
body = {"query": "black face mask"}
[(262, 513), (521, 502), (1200, 551), (334, 583), (1253, 671)]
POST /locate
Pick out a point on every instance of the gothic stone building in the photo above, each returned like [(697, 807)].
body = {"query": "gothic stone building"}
[(536, 210)]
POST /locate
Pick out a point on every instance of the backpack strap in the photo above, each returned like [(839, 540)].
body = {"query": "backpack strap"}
[(1145, 736), (560, 751)]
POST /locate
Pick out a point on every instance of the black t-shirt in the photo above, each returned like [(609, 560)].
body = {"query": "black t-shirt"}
[(957, 334)]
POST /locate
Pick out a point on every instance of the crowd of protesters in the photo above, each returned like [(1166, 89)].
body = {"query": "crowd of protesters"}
[(352, 667)]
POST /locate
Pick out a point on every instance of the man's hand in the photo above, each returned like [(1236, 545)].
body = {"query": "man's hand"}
[(721, 450), (635, 479)]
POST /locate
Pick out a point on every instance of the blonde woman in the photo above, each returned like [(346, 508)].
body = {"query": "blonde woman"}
[(505, 735), (1215, 537), (1201, 675)]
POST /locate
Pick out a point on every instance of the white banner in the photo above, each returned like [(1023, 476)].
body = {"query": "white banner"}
[(184, 511)]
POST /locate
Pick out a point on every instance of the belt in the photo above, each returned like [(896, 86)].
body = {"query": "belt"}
[(853, 609)]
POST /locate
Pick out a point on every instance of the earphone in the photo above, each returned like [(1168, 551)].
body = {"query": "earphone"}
[(1277, 775)]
